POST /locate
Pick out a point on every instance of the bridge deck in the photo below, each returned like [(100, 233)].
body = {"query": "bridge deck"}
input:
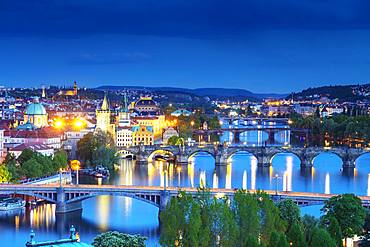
[(156, 189)]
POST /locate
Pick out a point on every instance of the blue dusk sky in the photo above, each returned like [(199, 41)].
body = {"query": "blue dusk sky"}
[(258, 45)]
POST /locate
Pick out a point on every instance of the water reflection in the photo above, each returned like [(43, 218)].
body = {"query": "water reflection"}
[(133, 216)]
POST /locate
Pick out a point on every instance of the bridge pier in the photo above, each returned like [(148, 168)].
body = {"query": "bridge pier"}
[(182, 159), (220, 160), (306, 163), (141, 160), (348, 163), (263, 161), (63, 207)]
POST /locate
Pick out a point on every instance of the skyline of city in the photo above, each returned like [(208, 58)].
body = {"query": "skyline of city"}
[(223, 123)]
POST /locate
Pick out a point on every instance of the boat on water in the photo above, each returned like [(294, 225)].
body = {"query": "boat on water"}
[(11, 203)]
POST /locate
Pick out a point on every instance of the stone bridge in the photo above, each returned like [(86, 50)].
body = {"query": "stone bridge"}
[(264, 155), (69, 197)]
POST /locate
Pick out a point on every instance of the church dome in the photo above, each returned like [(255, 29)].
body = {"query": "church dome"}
[(35, 109), (145, 102)]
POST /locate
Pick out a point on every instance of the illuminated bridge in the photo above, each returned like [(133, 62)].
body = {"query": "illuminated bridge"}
[(69, 197), (264, 155)]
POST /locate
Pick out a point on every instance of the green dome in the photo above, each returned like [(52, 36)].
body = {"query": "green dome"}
[(35, 109)]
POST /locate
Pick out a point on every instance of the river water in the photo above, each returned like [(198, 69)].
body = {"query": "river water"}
[(128, 215)]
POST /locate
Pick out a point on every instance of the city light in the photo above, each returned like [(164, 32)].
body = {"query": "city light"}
[(78, 123), (59, 123)]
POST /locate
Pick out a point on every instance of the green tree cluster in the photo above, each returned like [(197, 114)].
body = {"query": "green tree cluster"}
[(31, 164), (97, 149), (337, 130), (109, 239), (248, 220), (255, 220)]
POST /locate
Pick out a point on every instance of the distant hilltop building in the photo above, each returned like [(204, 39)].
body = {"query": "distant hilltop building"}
[(36, 114), (72, 92)]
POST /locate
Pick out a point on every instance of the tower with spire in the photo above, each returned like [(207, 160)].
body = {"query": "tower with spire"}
[(75, 88), (124, 115), (43, 94), (103, 117)]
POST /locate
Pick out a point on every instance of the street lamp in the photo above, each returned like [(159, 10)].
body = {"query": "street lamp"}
[(75, 165)]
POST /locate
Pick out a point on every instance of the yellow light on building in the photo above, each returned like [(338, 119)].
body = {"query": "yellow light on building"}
[(58, 123), (78, 123)]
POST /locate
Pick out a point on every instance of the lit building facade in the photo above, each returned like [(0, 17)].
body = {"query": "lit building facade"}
[(147, 113), (142, 135), (124, 131)]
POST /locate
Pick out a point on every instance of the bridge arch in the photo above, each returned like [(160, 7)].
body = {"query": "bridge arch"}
[(153, 154), (236, 152), (360, 156), (330, 152), (272, 156), (192, 154), (150, 199)]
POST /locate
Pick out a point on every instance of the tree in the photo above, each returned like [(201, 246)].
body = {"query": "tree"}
[(224, 229), (172, 223), (193, 229), (246, 213), (274, 239), (32, 168), (172, 140), (348, 211), (26, 154), (309, 223), (86, 148), (289, 211), (106, 157), (5, 175), (365, 242), (269, 217), (97, 149), (13, 167), (204, 201), (320, 237), (296, 236), (282, 241), (109, 239), (60, 160), (335, 232)]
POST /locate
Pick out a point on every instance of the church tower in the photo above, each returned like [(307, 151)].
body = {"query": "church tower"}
[(75, 88), (124, 115), (103, 117), (43, 94)]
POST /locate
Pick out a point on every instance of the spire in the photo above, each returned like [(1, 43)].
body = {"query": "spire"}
[(105, 105), (124, 109)]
